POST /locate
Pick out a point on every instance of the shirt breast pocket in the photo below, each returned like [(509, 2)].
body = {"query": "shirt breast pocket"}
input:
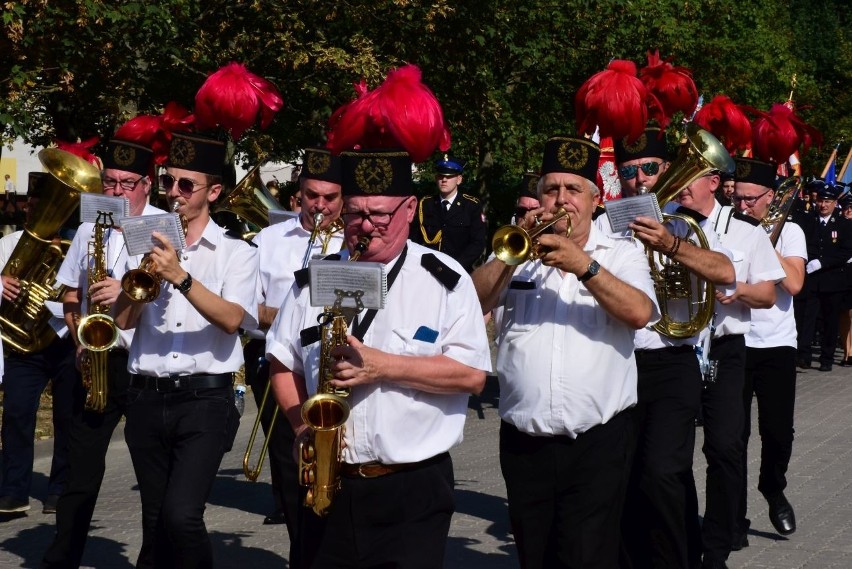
[(523, 307), (406, 342)]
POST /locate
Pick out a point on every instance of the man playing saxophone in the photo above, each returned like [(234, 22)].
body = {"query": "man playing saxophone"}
[(567, 371), (126, 174), (282, 249), (409, 367)]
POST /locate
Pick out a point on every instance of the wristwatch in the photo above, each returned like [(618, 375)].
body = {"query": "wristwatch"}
[(594, 268), (185, 284)]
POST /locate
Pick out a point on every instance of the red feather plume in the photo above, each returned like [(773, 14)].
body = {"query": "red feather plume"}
[(779, 133), (671, 85), (616, 102), (83, 149), (402, 111), (155, 131), (726, 121), (233, 97)]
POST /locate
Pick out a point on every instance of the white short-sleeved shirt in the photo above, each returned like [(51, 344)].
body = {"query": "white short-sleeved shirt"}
[(564, 364), (74, 271), (281, 250), (7, 247), (391, 423), (172, 337), (754, 261), (678, 310), (776, 326)]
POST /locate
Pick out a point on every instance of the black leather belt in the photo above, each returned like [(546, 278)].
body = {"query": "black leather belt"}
[(176, 382), (377, 469)]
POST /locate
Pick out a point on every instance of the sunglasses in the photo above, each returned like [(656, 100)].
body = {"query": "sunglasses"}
[(185, 186), (629, 172)]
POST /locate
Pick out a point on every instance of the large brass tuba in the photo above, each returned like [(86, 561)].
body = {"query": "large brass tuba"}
[(782, 201), (325, 414), (699, 155), (37, 257), (97, 331), (249, 200), (513, 245)]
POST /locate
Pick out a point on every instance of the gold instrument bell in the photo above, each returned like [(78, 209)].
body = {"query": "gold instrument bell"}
[(514, 245)]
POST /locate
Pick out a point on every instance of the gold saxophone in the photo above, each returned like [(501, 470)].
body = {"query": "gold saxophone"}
[(326, 413), (97, 331)]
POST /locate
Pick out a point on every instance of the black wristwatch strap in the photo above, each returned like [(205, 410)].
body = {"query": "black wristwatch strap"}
[(593, 269), (185, 284)]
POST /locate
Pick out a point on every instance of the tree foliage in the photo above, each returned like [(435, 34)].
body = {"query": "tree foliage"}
[(506, 71)]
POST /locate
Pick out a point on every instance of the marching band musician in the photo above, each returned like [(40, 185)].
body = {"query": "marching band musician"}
[(410, 368), (25, 378), (281, 250), (567, 370), (451, 222), (669, 377), (770, 373), (181, 416), (126, 174), (757, 269)]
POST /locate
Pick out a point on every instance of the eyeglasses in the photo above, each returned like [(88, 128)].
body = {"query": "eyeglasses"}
[(376, 218), (629, 172), (126, 185), (749, 201), (186, 187)]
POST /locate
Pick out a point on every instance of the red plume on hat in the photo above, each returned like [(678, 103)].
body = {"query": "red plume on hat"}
[(725, 120), (617, 102), (233, 97), (83, 149), (402, 111), (155, 131), (671, 85), (776, 135)]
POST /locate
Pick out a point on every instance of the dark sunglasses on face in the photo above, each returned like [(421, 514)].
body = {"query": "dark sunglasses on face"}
[(186, 187), (629, 172)]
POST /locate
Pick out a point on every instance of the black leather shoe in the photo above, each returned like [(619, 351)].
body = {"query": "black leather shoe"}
[(802, 363), (49, 504), (274, 519), (825, 367), (781, 514)]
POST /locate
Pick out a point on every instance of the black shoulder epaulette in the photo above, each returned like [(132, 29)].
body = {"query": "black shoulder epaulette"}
[(747, 218), (234, 234), (691, 213), (471, 198), (599, 211), (310, 335), (303, 276), (442, 273)]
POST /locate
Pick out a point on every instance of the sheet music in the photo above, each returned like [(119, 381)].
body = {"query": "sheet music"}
[(328, 277), (91, 204), (137, 232), (622, 212)]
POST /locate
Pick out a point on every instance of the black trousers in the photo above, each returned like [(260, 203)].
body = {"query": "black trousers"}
[(722, 408), (654, 523), (771, 377), (566, 495), (807, 308), (282, 465), (400, 520), (24, 380), (177, 440), (90, 435)]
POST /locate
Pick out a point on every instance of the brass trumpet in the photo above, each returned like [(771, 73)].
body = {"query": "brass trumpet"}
[(513, 245)]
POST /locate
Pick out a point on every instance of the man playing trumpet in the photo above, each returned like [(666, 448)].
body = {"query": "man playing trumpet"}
[(567, 372)]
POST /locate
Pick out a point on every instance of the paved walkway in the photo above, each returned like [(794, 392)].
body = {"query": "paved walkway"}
[(820, 488)]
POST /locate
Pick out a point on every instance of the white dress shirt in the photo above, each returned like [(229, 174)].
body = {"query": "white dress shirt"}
[(754, 261), (564, 364), (776, 326), (391, 423), (74, 271), (172, 336), (281, 250)]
